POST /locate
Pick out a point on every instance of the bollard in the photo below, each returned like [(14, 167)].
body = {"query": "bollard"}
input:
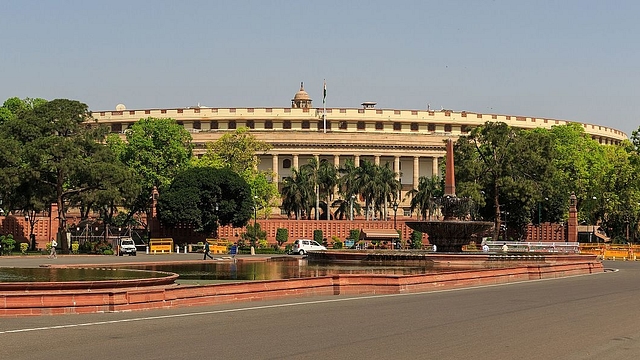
[(147, 249), (185, 249), (177, 249), (253, 251)]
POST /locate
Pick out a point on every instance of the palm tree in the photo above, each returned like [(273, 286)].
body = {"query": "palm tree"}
[(343, 208), (388, 187), (348, 187), (366, 184), (296, 193), (327, 181), (312, 169), (423, 198)]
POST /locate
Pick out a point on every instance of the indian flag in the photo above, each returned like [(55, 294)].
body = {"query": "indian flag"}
[(324, 93)]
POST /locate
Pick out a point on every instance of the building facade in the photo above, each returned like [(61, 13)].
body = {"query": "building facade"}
[(411, 141)]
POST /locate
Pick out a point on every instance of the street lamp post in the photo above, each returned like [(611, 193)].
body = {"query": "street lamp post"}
[(395, 214), (255, 219), (351, 208)]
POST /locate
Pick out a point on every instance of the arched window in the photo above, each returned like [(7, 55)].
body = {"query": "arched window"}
[(232, 124), (286, 163)]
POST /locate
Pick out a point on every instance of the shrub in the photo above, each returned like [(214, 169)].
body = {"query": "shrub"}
[(8, 243), (23, 248), (416, 240), (287, 249), (317, 235), (75, 247), (107, 252), (354, 234), (282, 236)]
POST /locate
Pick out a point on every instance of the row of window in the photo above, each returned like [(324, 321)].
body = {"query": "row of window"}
[(306, 125)]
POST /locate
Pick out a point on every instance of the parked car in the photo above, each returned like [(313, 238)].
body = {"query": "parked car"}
[(302, 246), (127, 246)]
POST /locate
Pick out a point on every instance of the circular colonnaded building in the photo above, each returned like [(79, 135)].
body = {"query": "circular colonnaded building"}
[(411, 141)]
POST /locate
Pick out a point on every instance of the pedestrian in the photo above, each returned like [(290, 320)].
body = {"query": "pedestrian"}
[(505, 248), (206, 251), (485, 247), (52, 254)]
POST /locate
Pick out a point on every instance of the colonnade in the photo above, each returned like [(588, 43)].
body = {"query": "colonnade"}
[(408, 168)]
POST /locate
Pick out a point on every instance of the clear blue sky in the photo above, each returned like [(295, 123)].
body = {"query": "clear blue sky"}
[(572, 60)]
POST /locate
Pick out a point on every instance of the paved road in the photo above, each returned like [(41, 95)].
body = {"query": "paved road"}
[(584, 317)]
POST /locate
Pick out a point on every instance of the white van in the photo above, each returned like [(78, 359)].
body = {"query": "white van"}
[(127, 246), (302, 246)]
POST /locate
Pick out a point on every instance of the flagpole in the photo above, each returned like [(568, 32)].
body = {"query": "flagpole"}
[(324, 105)]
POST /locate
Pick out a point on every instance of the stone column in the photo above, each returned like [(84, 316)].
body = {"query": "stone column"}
[(336, 161), (295, 161), (434, 166), (396, 167), (416, 172), (274, 165), (376, 160), (356, 160)]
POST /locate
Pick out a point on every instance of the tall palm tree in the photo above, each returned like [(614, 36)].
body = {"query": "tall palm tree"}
[(312, 169), (366, 185), (388, 187), (296, 193), (348, 187), (327, 181), (423, 198)]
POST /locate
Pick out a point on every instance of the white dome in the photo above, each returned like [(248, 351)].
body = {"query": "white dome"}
[(121, 107)]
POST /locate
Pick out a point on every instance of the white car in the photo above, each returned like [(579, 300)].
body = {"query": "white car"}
[(302, 246), (127, 246)]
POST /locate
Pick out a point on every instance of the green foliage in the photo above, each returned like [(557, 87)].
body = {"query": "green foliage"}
[(337, 244), (8, 243), (288, 248), (253, 234), (317, 236), (282, 236), (194, 195), (156, 150), (107, 252), (416, 240), (23, 248), (75, 247), (52, 152), (354, 234)]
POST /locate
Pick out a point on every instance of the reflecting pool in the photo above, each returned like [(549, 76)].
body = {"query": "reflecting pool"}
[(274, 270), (72, 274)]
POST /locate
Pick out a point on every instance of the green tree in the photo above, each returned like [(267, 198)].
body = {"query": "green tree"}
[(312, 170), (423, 198), (156, 150), (206, 198), (282, 236), (297, 194), (238, 151), (509, 165), (61, 152), (327, 182)]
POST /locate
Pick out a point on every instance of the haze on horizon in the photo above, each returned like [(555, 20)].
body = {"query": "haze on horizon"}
[(569, 60)]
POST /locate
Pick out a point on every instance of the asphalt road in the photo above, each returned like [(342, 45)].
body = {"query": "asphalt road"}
[(583, 317)]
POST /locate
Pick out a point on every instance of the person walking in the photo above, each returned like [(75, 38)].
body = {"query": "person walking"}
[(505, 247), (53, 254), (206, 251), (485, 248)]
